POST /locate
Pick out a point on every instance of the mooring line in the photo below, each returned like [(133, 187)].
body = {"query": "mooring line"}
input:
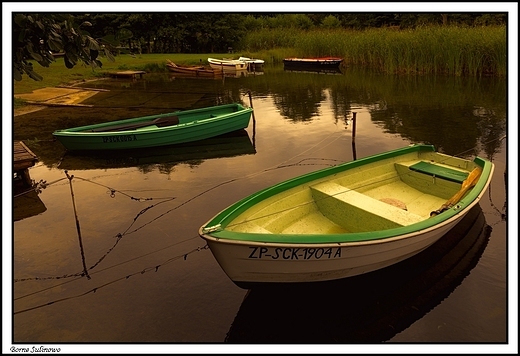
[(95, 289)]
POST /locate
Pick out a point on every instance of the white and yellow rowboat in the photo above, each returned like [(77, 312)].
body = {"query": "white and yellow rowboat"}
[(346, 220)]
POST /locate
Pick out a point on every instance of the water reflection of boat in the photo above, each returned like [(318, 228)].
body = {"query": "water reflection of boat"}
[(240, 74), (220, 76), (329, 71), (368, 308), (229, 145)]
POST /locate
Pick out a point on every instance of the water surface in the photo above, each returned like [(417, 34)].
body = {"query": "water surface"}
[(115, 256)]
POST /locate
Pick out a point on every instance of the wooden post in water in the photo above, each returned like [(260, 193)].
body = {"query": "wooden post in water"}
[(251, 105), (85, 270), (250, 98), (354, 126), (354, 156)]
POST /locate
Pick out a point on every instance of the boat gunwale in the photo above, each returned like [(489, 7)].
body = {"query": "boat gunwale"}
[(227, 215)]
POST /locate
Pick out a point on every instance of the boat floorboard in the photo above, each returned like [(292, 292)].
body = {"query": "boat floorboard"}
[(314, 223), (415, 201)]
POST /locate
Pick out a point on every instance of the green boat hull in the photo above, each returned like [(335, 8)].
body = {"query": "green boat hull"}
[(157, 130)]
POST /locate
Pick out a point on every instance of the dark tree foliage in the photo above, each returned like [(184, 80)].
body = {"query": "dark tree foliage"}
[(37, 36)]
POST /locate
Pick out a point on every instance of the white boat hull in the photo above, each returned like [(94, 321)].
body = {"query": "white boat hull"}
[(251, 60), (247, 263), (227, 64)]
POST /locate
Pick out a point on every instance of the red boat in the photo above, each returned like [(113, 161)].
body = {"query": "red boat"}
[(319, 62)]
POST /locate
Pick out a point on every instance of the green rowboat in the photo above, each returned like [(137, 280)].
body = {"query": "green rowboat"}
[(346, 220), (157, 130), (233, 144)]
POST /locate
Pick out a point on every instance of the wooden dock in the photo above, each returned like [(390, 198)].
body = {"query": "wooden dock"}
[(23, 159), (127, 74)]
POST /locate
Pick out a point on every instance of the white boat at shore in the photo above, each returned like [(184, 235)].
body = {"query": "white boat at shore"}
[(227, 64), (251, 60), (253, 64)]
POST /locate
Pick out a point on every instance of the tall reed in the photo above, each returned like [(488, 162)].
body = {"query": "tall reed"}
[(449, 50)]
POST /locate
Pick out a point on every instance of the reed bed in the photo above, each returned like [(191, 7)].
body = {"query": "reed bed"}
[(447, 50)]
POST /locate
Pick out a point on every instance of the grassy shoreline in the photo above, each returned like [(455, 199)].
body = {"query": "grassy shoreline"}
[(57, 74)]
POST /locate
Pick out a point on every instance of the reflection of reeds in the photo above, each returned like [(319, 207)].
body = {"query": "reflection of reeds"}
[(427, 50)]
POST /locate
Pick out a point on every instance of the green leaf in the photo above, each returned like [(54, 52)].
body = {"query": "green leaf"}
[(27, 67), (68, 63), (35, 76), (21, 35), (16, 74), (110, 40), (92, 44), (36, 56), (40, 25), (44, 63), (20, 19), (70, 54), (55, 44), (109, 55), (85, 54), (124, 34)]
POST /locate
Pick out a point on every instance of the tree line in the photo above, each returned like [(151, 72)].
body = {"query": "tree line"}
[(216, 32)]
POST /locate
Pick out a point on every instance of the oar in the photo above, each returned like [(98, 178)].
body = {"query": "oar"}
[(161, 122), (466, 185)]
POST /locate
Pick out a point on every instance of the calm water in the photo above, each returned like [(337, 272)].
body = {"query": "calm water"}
[(131, 220)]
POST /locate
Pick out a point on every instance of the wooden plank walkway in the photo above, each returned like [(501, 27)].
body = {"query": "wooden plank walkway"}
[(23, 156), (58, 96), (23, 159)]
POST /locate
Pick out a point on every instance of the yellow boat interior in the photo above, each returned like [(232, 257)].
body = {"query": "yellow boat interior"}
[(377, 196)]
